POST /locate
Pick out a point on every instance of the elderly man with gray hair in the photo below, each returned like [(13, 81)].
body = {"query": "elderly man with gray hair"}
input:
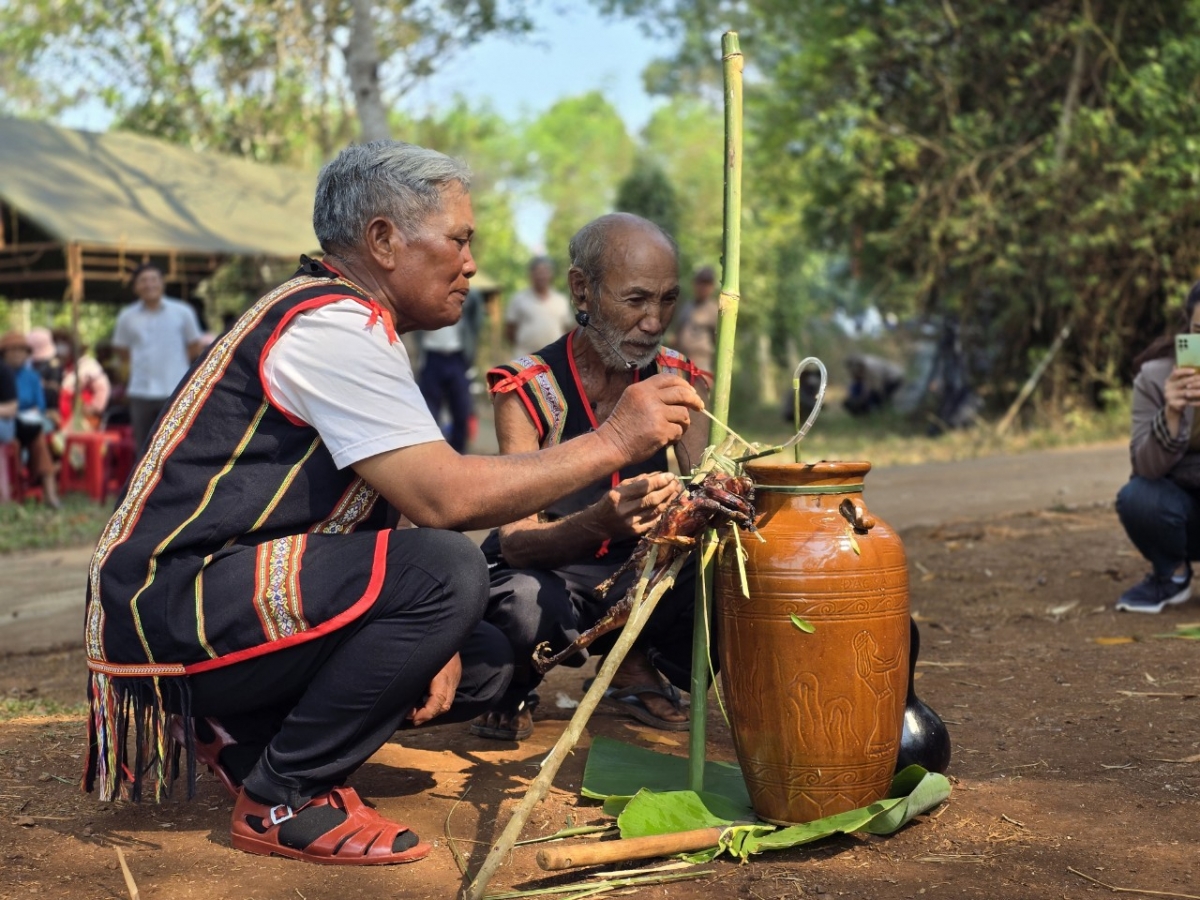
[(250, 601)]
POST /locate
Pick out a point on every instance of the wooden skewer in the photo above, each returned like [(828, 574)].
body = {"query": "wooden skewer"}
[(555, 859)]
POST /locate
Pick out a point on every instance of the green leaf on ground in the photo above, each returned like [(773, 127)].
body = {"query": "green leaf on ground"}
[(1187, 632), (616, 769), (803, 624)]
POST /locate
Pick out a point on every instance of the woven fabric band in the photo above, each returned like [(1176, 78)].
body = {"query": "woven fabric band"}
[(810, 488)]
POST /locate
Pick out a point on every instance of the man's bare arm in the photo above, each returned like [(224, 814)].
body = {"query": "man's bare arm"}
[(436, 487)]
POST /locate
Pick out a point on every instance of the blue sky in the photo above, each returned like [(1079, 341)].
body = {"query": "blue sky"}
[(572, 51)]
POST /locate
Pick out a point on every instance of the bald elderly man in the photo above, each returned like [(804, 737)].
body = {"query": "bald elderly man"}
[(249, 583), (624, 284)]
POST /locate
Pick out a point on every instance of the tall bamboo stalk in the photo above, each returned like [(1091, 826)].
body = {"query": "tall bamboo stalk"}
[(718, 403)]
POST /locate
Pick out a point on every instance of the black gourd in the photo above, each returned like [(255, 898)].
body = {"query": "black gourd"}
[(924, 740)]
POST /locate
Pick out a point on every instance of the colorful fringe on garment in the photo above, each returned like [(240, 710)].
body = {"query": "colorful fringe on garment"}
[(132, 713)]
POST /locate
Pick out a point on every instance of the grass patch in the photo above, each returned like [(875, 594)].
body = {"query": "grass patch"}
[(34, 526), (15, 708)]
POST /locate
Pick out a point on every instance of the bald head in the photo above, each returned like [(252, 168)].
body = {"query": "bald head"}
[(608, 241)]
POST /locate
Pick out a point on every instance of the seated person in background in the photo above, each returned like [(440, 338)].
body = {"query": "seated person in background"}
[(1160, 504), (624, 282), (48, 363), (88, 371), (873, 381), (31, 424)]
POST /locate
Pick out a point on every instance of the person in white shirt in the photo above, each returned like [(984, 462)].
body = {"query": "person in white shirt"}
[(538, 315), (157, 338), (447, 356)]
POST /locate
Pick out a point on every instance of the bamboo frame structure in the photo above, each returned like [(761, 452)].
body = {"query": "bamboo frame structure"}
[(731, 254)]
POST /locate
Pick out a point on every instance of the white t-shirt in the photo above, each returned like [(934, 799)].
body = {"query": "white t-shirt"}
[(157, 341), (333, 372), (539, 321)]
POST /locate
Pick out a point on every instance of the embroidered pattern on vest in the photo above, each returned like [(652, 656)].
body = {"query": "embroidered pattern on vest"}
[(356, 504), (277, 587)]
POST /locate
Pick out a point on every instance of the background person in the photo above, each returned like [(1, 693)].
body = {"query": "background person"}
[(157, 337), (447, 357), (696, 334), (32, 426), (1159, 506), (538, 315)]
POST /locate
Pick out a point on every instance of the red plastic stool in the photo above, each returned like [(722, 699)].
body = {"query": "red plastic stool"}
[(84, 464)]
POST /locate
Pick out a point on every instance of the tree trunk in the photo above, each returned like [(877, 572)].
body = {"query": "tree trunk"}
[(362, 63), (1074, 86)]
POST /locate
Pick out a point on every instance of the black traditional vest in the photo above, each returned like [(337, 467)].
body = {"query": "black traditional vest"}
[(236, 536), (552, 393)]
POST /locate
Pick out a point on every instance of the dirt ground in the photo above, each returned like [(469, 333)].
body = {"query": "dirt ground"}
[(1072, 751)]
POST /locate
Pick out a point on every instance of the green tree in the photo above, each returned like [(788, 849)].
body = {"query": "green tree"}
[(259, 78), (579, 151), (1019, 165), (646, 191)]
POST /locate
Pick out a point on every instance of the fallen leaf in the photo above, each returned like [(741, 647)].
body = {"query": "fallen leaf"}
[(803, 624), (1062, 610), (1113, 641)]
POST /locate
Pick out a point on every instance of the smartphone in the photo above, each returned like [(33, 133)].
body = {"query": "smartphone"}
[(1187, 350)]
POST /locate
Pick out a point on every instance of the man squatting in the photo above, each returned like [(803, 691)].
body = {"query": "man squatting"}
[(249, 575)]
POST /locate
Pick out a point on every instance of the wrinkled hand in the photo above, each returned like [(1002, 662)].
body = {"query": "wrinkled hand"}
[(633, 506), (650, 415), (441, 692)]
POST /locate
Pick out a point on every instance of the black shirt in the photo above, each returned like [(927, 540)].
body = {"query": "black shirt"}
[(8, 385)]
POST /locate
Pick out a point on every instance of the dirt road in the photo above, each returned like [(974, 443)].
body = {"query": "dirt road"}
[(41, 593)]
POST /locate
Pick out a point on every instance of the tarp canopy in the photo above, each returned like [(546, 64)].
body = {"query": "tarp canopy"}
[(117, 189)]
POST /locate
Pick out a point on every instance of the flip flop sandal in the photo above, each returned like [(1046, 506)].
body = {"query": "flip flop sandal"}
[(497, 733), (337, 828), (207, 752), (626, 700)]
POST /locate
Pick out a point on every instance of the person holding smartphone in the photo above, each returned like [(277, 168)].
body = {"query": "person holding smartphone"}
[(1159, 506)]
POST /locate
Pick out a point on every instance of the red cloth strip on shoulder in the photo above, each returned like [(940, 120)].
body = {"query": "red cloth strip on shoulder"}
[(685, 365), (500, 380)]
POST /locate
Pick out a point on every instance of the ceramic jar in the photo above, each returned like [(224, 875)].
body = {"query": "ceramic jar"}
[(815, 662)]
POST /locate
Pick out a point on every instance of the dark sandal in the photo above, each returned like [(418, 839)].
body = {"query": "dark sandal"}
[(626, 700), (349, 832), (207, 752), (497, 733)]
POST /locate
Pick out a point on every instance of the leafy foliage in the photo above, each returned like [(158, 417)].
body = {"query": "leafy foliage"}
[(1018, 165), (646, 191), (258, 78)]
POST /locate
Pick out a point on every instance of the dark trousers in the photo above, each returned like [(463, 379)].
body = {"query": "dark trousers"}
[(321, 708), (534, 605), (444, 382), (143, 413), (1162, 520)]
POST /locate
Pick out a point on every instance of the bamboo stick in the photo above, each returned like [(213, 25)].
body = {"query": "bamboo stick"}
[(731, 57), (556, 859), (566, 742)]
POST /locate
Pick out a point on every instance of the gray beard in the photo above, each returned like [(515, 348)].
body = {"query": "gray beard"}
[(607, 340)]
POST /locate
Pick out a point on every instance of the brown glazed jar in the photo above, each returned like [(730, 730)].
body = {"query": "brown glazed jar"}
[(816, 717)]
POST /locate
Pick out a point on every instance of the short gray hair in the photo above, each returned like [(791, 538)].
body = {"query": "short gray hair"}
[(589, 243), (402, 182)]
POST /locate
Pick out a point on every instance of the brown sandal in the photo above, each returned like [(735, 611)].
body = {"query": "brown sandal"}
[(348, 832)]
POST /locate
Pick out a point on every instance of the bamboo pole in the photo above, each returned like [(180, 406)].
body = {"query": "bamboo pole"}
[(566, 742), (718, 403)]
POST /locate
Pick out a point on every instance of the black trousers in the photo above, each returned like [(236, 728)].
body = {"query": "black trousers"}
[(318, 710), (555, 605)]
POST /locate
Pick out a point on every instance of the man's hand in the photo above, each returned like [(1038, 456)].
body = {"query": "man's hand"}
[(650, 415), (633, 506), (441, 692)]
